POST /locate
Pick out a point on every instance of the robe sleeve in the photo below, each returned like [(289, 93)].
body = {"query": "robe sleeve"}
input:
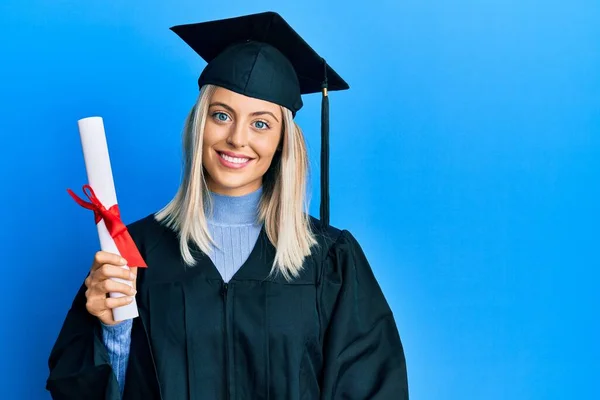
[(363, 353), (79, 363)]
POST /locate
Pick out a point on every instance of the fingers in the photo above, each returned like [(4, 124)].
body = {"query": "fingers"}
[(109, 285), (112, 271), (107, 275), (114, 302), (133, 271), (104, 257), (99, 305)]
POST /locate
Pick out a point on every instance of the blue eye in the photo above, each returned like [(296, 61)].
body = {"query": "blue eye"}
[(261, 125), (220, 116)]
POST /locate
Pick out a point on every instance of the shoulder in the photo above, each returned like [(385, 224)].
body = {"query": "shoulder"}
[(345, 268), (330, 236), (147, 233), (334, 244)]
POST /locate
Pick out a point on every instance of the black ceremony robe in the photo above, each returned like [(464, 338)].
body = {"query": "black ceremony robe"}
[(328, 334)]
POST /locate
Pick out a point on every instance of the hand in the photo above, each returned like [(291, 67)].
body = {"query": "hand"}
[(99, 284)]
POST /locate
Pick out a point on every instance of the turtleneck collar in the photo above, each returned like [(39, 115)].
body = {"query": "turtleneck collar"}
[(235, 210)]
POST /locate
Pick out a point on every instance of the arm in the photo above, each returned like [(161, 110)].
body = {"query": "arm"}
[(117, 340), (363, 354), (79, 363)]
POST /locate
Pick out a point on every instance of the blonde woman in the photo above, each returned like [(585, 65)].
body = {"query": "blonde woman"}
[(245, 296)]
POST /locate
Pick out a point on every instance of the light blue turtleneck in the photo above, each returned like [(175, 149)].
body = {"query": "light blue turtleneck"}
[(233, 226)]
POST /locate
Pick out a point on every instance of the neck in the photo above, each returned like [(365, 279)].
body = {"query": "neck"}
[(235, 210)]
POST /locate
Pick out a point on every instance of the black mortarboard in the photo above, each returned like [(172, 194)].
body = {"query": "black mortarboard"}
[(261, 56)]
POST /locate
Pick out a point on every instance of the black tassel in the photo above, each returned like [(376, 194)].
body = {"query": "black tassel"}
[(325, 152)]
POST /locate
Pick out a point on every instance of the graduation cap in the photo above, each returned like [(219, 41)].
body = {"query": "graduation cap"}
[(261, 56)]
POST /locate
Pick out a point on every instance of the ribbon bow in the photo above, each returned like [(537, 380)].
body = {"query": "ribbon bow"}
[(115, 226)]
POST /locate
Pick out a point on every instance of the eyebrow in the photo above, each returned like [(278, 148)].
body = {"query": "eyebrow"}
[(257, 113), (254, 114)]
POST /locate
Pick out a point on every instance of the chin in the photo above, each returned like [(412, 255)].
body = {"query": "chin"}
[(233, 186)]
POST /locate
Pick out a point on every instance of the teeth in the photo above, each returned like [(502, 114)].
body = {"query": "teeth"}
[(234, 159)]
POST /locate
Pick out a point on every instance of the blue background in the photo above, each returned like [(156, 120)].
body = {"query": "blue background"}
[(465, 159)]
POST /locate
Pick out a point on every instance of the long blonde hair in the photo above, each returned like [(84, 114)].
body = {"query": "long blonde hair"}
[(283, 205)]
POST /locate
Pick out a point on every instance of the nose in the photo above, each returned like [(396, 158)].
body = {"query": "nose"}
[(238, 136)]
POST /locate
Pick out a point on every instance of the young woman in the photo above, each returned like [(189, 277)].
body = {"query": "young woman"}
[(245, 296)]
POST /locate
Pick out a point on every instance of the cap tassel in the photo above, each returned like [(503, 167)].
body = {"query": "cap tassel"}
[(325, 152)]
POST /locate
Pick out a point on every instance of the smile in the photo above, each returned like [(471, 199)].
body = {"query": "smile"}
[(233, 162)]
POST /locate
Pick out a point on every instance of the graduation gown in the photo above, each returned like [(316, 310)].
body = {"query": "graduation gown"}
[(328, 334)]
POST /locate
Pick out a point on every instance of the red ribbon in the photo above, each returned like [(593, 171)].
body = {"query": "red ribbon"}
[(116, 228)]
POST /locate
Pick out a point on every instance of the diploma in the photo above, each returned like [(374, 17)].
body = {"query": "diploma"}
[(112, 232)]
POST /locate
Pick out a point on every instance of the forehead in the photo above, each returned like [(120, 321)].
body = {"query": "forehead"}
[(241, 103)]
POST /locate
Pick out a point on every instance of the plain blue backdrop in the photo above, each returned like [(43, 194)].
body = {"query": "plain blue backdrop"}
[(465, 158)]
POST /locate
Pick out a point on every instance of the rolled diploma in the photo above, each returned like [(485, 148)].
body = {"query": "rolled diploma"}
[(99, 172)]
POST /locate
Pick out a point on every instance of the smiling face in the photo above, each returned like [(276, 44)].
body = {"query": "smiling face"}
[(241, 136)]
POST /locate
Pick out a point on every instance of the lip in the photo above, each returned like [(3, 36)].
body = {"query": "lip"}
[(231, 165), (230, 154)]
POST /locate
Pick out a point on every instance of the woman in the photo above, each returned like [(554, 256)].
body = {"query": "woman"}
[(245, 295)]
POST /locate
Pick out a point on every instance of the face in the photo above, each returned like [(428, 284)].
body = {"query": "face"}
[(241, 137)]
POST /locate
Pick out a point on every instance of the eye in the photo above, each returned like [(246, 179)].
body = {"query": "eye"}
[(262, 125), (220, 116)]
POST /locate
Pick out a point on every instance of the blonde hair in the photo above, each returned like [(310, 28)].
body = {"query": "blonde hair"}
[(283, 205)]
